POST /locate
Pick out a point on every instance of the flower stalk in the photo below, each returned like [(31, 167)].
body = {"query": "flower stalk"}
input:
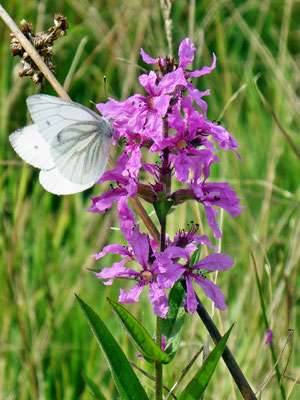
[(158, 365)]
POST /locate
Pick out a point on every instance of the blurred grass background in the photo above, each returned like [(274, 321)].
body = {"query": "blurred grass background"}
[(46, 241)]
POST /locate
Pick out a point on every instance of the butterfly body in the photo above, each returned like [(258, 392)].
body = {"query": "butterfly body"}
[(68, 142)]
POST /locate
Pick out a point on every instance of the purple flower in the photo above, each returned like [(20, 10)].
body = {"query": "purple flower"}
[(147, 276), (139, 122), (186, 56), (212, 194), (187, 239), (171, 271), (139, 118), (269, 337), (127, 186)]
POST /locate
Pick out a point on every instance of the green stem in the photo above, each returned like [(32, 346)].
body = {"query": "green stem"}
[(159, 324), (163, 227), (158, 365)]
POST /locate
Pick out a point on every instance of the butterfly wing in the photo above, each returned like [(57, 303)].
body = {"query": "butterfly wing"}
[(53, 181), (32, 147), (80, 151), (52, 114), (68, 142)]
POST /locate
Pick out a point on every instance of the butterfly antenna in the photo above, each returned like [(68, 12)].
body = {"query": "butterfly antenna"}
[(104, 79)]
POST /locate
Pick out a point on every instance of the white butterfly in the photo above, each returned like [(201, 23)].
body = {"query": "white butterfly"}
[(68, 142)]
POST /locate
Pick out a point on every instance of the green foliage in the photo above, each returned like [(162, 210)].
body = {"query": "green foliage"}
[(46, 241), (173, 324), (197, 385), (126, 381), (195, 256), (93, 387), (162, 207), (139, 335)]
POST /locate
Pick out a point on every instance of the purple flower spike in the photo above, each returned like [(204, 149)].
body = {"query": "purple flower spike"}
[(269, 337), (168, 118)]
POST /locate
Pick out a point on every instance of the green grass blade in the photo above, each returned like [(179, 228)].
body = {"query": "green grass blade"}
[(150, 351), (197, 385), (94, 389), (126, 381), (263, 309)]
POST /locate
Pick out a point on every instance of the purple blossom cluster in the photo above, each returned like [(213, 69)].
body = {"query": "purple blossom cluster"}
[(171, 122)]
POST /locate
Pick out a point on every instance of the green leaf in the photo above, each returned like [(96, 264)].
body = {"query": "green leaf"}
[(95, 269), (173, 324), (197, 385), (148, 348), (126, 381), (93, 387), (162, 207), (195, 256)]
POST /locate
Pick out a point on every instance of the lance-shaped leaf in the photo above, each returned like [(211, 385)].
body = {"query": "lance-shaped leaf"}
[(162, 207), (195, 256), (146, 345), (126, 381), (197, 385), (173, 324), (94, 389)]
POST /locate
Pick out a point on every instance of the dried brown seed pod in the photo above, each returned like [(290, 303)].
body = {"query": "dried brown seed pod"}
[(43, 43)]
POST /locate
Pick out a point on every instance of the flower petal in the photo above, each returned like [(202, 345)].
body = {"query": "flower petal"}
[(222, 195), (212, 291), (181, 165), (203, 239), (215, 262), (117, 270), (163, 259), (114, 249), (197, 96), (191, 300), (148, 81), (167, 279), (132, 296), (186, 53), (140, 247), (204, 70), (161, 103), (211, 214), (147, 59), (126, 218), (106, 200), (116, 174), (171, 80), (159, 300)]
